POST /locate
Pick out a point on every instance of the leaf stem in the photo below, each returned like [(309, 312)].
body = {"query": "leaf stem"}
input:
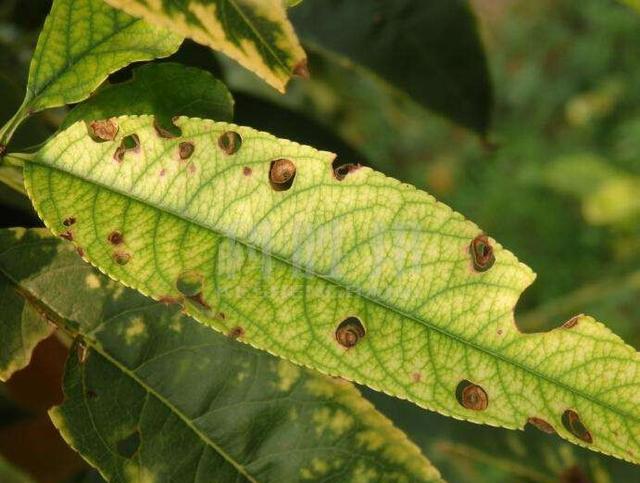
[(7, 131)]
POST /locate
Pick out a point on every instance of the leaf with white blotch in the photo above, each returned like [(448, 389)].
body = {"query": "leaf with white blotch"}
[(430, 50), (23, 326), (165, 90), (255, 33), (343, 270), (192, 404)]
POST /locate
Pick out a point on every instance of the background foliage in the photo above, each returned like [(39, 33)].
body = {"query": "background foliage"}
[(554, 180)]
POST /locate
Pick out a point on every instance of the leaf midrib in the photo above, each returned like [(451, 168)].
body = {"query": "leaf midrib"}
[(370, 298), (205, 439)]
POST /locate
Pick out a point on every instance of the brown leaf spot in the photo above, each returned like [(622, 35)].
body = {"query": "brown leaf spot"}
[(481, 253), (163, 172), (121, 258), (571, 421), (236, 332), (80, 251), (301, 69), (115, 237), (67, 235), (186, 149), (170, 300), (542, 425), (341, 170), (230, 142), (69, 221), (281, 174), (247, 171), (472, 396), (572, 322), (349, 332), (416, 377), (221, 316), (103, 130), (190, 282)]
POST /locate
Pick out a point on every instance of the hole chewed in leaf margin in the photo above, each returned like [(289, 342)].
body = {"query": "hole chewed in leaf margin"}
[(341, 170), (481, 253), (282, 172), (349, 332), (128, 446), (542, 425), (103, 130), (472, 396), (166, 130), (571, 421), (230, 142)]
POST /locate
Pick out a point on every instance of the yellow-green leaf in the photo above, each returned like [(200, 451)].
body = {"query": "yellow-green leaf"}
[(337, 268), (255, 33)]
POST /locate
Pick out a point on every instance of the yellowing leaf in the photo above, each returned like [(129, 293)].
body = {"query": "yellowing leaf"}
[(337, 268), (255, 33)]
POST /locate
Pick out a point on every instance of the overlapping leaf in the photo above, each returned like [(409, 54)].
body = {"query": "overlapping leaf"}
[(431, 50), (151, 394), (255, 33), (81, 43), (347, 271), (165, 90)]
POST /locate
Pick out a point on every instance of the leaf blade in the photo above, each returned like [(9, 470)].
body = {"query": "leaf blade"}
[(96, 40), (255, 33), (290, 265)]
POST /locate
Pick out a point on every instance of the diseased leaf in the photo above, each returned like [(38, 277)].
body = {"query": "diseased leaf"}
[(165, 90), (343, 270), (255, 33), (81, 43), (191, 402), (429, 49), (22, 325)]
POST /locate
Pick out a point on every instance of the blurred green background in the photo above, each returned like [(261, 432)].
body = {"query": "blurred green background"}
[(556, 180)]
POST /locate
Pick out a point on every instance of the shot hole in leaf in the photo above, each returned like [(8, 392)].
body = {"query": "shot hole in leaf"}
[(349, 332), (472, 396), (230, 142), (282, 172)]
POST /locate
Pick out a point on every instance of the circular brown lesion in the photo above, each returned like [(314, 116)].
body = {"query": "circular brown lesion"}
[(282, 172), (482, 254), (542, 425), (472, 396), (229, 142), (349, 332), (572, 422)]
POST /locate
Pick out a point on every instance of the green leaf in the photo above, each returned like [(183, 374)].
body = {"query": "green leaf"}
[(11, 474), (165, 90), (255, 33), (23, 326), (429, 49), (82, 42), (192, 404), (347, 271)]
